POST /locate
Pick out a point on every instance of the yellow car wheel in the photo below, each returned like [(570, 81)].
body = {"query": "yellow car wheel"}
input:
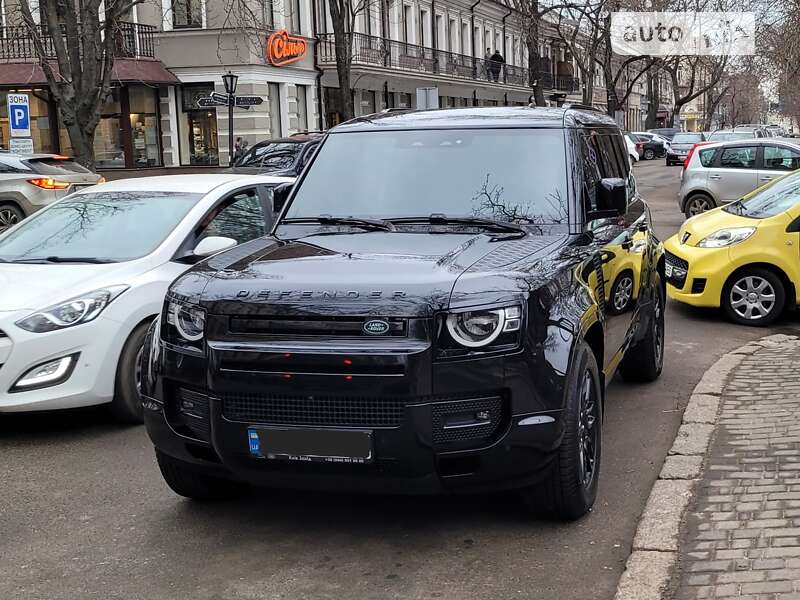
[(753, 296)]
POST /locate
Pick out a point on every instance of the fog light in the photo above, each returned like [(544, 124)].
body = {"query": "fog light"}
[(46, 374)]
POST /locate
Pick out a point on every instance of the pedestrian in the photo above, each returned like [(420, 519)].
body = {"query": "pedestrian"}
[(497, 62), (237, 149), (487, 63)]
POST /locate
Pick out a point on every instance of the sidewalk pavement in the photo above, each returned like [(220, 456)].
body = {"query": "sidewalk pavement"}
[(741, 536)]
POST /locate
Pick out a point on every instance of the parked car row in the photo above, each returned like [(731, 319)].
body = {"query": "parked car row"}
[(451, 331)]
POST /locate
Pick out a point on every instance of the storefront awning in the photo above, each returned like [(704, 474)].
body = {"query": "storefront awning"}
[(125, 71)]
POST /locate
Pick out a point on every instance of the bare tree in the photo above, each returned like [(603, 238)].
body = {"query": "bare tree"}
[(691, 77), (75, 47)]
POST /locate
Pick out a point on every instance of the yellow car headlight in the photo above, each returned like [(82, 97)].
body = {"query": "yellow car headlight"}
[(726, 237)]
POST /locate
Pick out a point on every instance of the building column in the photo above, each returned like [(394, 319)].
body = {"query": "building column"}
[(169, 126)]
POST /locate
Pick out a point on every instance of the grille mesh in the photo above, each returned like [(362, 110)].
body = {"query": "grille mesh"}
[(679, 263), (190, 415), (440, 412), (346, 411)]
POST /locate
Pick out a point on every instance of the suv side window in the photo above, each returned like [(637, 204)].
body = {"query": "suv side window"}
[(240, 217), (778, 158), (590, 163), (738, 158)]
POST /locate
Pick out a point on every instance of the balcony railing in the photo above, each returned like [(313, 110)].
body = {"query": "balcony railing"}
[(131, 40), (373, 51)]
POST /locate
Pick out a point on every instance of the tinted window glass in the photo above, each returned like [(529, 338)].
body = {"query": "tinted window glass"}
[(687, 138), (259, 153), (729, 136), (507, 174), (738, 158), (707, 156), (115, 225), (774, 198), (591, 171), (242, 218), (56, 166), (781, 159)]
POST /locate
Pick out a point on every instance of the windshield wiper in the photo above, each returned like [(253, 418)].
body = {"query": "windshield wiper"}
[(488, 224), (371, 224), (64, 259)]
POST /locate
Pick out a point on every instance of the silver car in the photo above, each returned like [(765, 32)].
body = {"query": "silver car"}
[(718, 173), (28, 183)]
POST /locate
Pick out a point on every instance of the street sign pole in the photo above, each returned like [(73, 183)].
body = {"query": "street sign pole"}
[(231, 102)]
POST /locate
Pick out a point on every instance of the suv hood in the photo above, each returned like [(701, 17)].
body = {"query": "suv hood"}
[(391, 274)]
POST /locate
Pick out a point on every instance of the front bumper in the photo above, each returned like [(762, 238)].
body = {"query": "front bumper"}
[(412, 454), (706, 270), (98, 344)]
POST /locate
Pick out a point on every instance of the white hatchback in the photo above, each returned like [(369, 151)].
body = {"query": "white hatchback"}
[(82, 279)]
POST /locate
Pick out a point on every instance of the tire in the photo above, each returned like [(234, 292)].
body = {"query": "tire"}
[(570, 488), (621, 293), (190, 482), (10, 214), (763, 308), (649, 154), (644, 361), (697, 204), (126, 407)]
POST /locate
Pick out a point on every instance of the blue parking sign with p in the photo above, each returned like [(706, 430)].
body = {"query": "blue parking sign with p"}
[(19, 115)]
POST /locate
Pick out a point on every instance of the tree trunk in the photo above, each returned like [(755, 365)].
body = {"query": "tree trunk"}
[(532, 42), (654, 100), (344, 54)]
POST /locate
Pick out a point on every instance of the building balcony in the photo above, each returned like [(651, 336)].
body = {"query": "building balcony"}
[(132, 40), (381, 53)]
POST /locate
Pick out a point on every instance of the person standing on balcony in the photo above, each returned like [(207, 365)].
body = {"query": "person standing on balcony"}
[(487, 63), (496, 61)]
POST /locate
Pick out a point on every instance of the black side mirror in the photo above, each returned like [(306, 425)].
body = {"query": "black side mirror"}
[(612, 198), (280, 194)]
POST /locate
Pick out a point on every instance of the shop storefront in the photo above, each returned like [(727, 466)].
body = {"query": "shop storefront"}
[(198, 127), (127, 136)]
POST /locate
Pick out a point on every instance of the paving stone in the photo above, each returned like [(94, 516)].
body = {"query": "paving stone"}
[(682, 467)]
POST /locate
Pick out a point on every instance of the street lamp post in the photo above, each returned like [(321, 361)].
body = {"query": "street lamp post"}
[(229, 80)]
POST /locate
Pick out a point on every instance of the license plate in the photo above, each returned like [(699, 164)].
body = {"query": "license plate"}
[(311, 445), (668, 270)]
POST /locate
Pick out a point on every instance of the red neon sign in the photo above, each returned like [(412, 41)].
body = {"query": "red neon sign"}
[(283, 49)]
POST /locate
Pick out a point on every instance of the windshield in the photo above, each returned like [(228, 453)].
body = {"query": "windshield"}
[(776, 197), (271, 155), (687, 138), (114, 226), (511, 175), (728, 136)]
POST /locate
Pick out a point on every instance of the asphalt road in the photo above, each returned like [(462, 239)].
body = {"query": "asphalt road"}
[(84, 513)]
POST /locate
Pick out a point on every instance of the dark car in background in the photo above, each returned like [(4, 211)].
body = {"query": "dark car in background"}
[(650, 147), (31, 182), (284, 157), (440, 308), (682, 143)]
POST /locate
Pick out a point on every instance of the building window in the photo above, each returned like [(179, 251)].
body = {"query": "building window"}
[(465, 39), (275, 110), (407, 17), (187, 13), (268, 15), (143, 114), (295, 17), (367, 102), (302, 107), (423, 21), (198, 127)]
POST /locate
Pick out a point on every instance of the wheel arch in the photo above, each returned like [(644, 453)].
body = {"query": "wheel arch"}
[(595, 339)]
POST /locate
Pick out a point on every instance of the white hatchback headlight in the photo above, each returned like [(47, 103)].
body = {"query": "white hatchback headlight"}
[(478, 328), (75, 311), (726, 237)]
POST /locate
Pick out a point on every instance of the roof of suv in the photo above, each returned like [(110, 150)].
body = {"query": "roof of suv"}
[(478, 117)]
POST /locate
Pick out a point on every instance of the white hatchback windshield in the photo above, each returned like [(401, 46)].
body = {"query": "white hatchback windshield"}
[(98, 227)]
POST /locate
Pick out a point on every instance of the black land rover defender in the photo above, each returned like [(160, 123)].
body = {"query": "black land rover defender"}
[(440, 306)]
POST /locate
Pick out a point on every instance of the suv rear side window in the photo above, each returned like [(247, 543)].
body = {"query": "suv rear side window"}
[(738, 158), (55, 166), (707, 156)]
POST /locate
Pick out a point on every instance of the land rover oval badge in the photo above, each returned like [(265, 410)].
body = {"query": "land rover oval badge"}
[(376, 327)]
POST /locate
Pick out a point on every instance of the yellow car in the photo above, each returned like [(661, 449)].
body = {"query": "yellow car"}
[(744, 257)]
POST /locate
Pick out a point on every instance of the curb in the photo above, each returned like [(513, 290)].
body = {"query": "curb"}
[(649, 567)]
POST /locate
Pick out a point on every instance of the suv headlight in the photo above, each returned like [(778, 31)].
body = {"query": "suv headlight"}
[(75, 311), (726, 237), (184, 325), (479, 328)]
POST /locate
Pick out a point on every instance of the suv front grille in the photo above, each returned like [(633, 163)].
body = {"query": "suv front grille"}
[(680, 269), (343, 411), (315, 327)]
